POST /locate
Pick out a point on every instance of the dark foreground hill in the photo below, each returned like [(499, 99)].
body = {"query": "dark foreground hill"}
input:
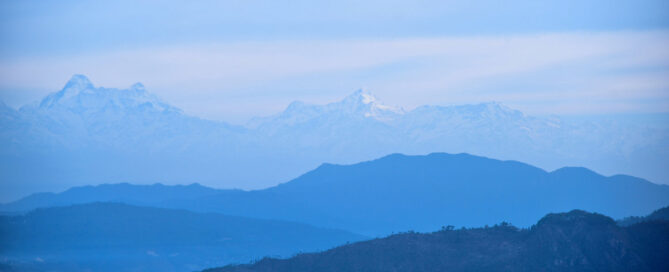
[(659, 215), (119, 237), (574, 241), (399, 193)]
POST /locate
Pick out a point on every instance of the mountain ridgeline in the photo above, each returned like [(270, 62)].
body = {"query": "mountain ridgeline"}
[(659, 215), (155, 195), (84, 134), (120, 237), (573, 241), (397, 193)]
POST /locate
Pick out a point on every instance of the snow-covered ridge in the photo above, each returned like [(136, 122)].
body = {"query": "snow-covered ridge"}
[(79, 94), (362, 104), (79, 127)]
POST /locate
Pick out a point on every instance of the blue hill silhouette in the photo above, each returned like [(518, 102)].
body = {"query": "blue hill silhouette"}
[(120, 237), (422, 193), (146, 195)]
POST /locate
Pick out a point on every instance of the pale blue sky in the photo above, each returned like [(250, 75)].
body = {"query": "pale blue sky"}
[(230, 60)]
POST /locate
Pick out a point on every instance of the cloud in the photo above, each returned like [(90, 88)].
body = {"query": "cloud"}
[(241, 79)]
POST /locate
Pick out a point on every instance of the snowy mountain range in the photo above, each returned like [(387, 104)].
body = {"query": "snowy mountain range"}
[(85, 134)]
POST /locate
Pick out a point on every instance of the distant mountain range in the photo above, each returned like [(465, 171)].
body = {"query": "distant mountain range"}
[(85, 134), (145, 195), (397, 193), (573, 241), (119, 237)]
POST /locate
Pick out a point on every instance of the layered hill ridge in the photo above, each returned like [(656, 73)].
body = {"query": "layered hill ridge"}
[(145, 195), (120, 237), (573, 241), (399, 193)]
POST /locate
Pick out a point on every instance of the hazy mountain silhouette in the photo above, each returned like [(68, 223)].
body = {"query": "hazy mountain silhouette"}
[(119, 237), (399, 193), (573, 241), (145, 195), (84, 134)]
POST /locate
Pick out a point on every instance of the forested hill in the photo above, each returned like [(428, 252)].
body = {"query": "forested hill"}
[(573, 241)]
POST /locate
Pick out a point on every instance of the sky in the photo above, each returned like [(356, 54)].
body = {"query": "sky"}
[(232, 60)]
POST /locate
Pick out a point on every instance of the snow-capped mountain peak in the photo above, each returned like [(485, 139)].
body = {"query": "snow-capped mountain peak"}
[(73, 88), (360, 97), (78, 83), (364, 103), (141, 132), (360, 104), (80, 95)]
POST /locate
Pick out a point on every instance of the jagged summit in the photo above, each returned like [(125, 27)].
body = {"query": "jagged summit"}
[(80, 95), (363, 104), (78, 82), (360, 96), (73, 88), (364, 98), (360, 104)]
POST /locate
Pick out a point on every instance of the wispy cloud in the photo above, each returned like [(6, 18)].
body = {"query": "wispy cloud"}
[(548, 73)]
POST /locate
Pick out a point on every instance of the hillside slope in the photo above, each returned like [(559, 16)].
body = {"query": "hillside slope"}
[(574, 241), (119, 237)]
